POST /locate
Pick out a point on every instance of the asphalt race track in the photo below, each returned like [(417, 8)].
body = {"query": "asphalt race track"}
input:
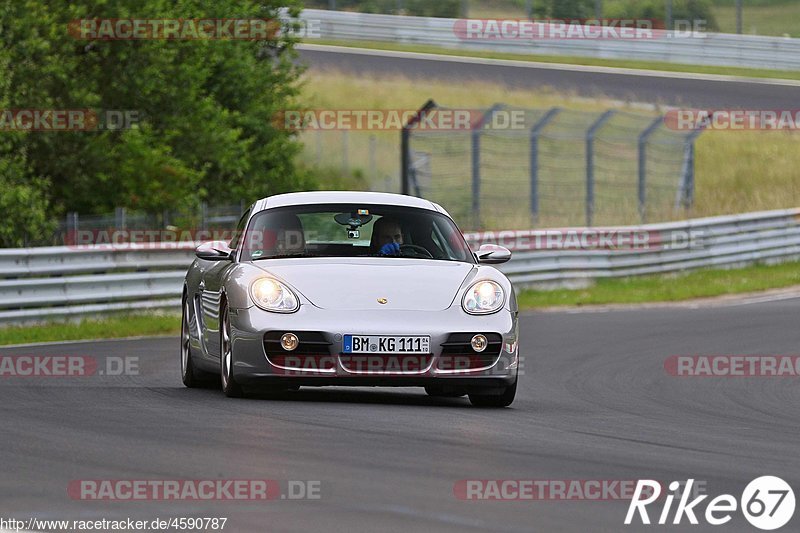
[(595, 403), (675, 90)]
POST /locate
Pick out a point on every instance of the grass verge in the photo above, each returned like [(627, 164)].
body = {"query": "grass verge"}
[(668, 288), (570, 60), (118, 326)]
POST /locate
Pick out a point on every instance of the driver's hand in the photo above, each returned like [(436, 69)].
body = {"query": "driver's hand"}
[(391, 248)]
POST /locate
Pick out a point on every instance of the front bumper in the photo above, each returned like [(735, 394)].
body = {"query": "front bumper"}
[(252, 365)]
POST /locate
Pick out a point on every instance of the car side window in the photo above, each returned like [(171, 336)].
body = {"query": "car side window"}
[(237, 235)]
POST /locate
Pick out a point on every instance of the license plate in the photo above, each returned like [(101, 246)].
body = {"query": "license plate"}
[(387, 344)]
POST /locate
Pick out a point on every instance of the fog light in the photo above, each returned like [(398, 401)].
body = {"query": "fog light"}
[(289, 341), (479, 343)]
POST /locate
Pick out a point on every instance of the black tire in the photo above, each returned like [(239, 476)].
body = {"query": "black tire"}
[(499, 400), (189, 375), (229, 385), (436, 392)]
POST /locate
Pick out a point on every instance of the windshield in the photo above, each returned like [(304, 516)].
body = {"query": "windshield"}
[(350, 230)]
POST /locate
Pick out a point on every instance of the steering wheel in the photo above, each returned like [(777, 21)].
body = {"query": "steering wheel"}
[(419, 251)]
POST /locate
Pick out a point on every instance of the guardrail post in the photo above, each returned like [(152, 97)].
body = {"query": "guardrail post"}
[(590, 134), (405, 148), (536, 131), (643, 138), (477, 130)]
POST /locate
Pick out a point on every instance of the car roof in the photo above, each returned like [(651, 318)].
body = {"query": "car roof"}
[(344, 197)]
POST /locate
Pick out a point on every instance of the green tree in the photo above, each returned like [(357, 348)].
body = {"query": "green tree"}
[(204, 107), (23, 199)]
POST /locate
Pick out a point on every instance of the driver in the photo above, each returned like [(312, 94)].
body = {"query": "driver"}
[(387, 236)]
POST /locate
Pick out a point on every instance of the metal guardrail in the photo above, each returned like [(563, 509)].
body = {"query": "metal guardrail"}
[(64, 281), (55, 282), (697, 49), (728, 241)]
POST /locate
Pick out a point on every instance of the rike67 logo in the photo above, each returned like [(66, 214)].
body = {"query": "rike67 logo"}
[(767, 503)]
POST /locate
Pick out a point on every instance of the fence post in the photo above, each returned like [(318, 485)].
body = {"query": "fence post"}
[(372, 166), (668, 10), (536, 131), (345, 149), (643, 138), (685, 195), (477, 130), (590, 134), (119, 217), (72, 225), (405, 148), (739, 16)]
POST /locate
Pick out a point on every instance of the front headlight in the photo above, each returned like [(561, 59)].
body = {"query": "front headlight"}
[(483, 297), (272, 295)]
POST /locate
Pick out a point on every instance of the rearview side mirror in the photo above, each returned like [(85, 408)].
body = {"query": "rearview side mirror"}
[(491, 254), (214, 251)]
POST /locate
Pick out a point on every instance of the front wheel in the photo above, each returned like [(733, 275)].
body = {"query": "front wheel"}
[(499, 400), (229, 385), (190, 376)]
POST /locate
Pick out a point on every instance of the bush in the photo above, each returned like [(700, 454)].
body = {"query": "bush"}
[(690, 10), (26, 217), (420, 8)]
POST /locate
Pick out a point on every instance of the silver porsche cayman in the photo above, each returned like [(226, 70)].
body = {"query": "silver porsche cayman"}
[(350, 289)]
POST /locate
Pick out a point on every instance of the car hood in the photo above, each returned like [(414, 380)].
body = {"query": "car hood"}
[(358, 284)]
